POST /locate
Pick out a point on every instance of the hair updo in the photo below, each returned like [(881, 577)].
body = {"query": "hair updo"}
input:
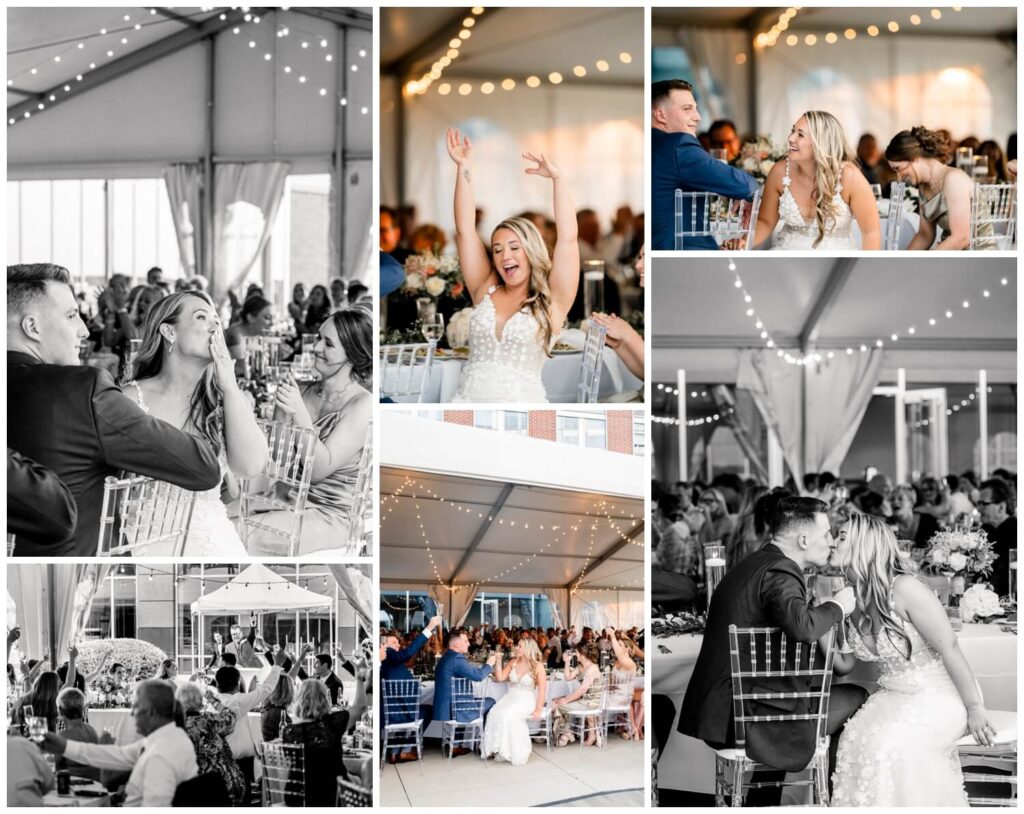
[(919, 142)]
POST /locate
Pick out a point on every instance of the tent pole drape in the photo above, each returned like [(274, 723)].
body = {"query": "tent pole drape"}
[(206, 230)]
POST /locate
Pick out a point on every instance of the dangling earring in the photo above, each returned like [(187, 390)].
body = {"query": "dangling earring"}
[(170, 346)]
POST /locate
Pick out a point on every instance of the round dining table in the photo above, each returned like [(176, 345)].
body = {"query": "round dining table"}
[(688, 764)]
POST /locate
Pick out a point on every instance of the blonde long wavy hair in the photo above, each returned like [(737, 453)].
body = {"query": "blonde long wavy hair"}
[(539, 292), (533, 653), (872, 562), (831, 153)]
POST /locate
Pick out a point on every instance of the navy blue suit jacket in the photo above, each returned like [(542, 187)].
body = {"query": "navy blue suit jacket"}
[(393, 667), (453, 665), (679, 162)]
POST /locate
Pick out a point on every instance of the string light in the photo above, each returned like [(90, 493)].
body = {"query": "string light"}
[(771, 36)]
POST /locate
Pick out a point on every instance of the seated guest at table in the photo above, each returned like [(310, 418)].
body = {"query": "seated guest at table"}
[(208, 724), (42, 698), (73, 419), (391, 235), (168, 670), (453, 664), (339, 408), (323, 669), (750, 532), (622, 337), (908, 524), (71, 705), (586, 696), (40, 508), (392, 276), (874, 504), (79, 681), (997, 173), (28, 775), (678, 161), (767, 589), (240, 740), (359, 295), (920, 157), (959, 502), (623, 672), (320, 730), (394, 667), (255, 319), (1000, 525), (160, 761), (297, 308), (338, 293), (718, 523), (318, 307)]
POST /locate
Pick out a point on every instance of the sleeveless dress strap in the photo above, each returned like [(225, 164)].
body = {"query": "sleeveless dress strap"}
[(138, 393), (786, 179), (491, 290)]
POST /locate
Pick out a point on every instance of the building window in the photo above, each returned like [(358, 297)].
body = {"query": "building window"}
[(485, 419), (515, 422), (403, 610), (582, 429), (112, 614), (638, 434)]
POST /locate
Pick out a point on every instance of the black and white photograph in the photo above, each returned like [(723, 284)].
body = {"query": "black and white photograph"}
[(189, 685), (189, 282), (834, 581)]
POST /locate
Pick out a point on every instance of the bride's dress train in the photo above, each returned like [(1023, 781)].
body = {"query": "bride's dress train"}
[(507, 734), (898, 750)]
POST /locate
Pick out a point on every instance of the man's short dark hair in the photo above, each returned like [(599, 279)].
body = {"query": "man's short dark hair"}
[(355, 291), (811, 482), (718, 124), (660, 91), (999, 490), (325, 660), (795, 511), (27, 281), (391, 213), (826, 479), (229, 659), (227, 679), (455, 632)]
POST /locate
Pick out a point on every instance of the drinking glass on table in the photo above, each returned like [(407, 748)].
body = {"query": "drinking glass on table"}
[(714, 567), (432, 326), (965, 159), (719, 154), (876, 190)]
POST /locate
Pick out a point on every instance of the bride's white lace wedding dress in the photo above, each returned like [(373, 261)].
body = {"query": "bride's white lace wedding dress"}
[(505, 368), (898, 749), (506, 734), (797, 233), (211, 532)]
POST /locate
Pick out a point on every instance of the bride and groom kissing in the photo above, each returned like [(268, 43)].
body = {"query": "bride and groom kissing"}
[(895, 747)]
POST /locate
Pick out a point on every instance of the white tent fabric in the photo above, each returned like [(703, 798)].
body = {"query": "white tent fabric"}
[(601, 609), (712, 51), (259, 589)]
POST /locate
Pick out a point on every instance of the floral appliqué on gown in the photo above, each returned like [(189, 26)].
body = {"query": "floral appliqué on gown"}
[(898, 750), (507, 734)]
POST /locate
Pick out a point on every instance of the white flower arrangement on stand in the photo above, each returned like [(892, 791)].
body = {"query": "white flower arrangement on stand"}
[(979, 602)]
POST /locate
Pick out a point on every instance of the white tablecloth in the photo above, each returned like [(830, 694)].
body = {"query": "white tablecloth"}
[(688, 764), (53, 800), (560, 375)]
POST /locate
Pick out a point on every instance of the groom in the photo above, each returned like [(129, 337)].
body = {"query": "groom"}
[(678, 161), (453, 664), (767, 589)]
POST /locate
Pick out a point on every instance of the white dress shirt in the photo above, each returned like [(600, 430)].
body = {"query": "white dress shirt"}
[(240, 740), (160, 762)]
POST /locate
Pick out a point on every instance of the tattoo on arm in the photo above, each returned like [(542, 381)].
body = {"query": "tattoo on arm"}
[(466, 175)]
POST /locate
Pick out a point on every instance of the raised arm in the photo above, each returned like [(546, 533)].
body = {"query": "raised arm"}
[(621, 653), (91, 677), (69, 681), (473, 259), (245, 445), (565, 263)]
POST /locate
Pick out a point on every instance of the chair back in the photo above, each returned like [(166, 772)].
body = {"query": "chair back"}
[(465, 703), (590, 367), (716, 216), (284, 773), (353, 795), (207, 790), (897, 193), (620, 689), (596, 696), (401, 701), (405, 370), (361, 503), (993, 216), (10, 544), (764, 653), (283, 485), (139, 513)]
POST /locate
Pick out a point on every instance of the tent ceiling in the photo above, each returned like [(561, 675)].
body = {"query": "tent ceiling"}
[(559, 559), (698, 305), (969, 21), (519, 41)]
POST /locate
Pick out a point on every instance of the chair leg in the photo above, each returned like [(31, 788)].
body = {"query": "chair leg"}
[(821, 779), (719, 783), (737, 784)]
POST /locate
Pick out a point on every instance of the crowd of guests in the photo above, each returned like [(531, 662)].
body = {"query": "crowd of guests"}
[(72, 425), (479, 652), (195, 744), (735, 512)]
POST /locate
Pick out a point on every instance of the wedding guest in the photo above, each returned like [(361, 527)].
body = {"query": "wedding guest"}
[(920, 157), (391, 274), (274, 711), (623, 673), (71, 705), (320, 730), (722, 135), (338, 293), (358, 294), (622, 337), (586, 696), (318, 307), (40, 508), (959, 502), (28, 775), (155, 278), (880, 485), (997, 173), (42, 698), (297, 308), (391, 235), (140, 301), (718, 523), (73, 419), (869, 156), (323, 669), (159, 762), (428, 239), (208, 724), (255, 319), (241, 647), (679, 550), (767, 589), (339, 408), (453, 664), (908, 524), (1000, 525), (751, 529), (168, 670), (679, 162)]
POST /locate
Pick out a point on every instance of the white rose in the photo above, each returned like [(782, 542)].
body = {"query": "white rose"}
[(979, 601), (957, 561), (414, 281), (458, 328), (766, 166), (940, 556), (435, 286)]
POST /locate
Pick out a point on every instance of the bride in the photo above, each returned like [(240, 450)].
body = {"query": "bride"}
[(898, 750), (817, 192), (507, 733), (184, 375), (521, 296)]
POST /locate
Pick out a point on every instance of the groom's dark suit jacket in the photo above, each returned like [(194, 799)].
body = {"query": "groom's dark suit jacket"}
[(75, 420), (766, 589), (679, 162)]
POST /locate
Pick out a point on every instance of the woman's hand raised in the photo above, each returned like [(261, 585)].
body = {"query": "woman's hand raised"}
[(544, 168), (459, 147)]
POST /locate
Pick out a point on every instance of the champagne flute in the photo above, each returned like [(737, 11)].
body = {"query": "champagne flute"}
[(835, 585), (433, 327), (36, 728)]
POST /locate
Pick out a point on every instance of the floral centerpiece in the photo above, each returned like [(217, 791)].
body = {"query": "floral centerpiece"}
[(960, 553), (458, 329), (678, 624), (979, 602), (758, 156), (431, 276)]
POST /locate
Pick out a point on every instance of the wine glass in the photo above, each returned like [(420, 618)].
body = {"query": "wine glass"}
[(36, 728), (876, 190), (719, 154), (433, 327), (835, 585)]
